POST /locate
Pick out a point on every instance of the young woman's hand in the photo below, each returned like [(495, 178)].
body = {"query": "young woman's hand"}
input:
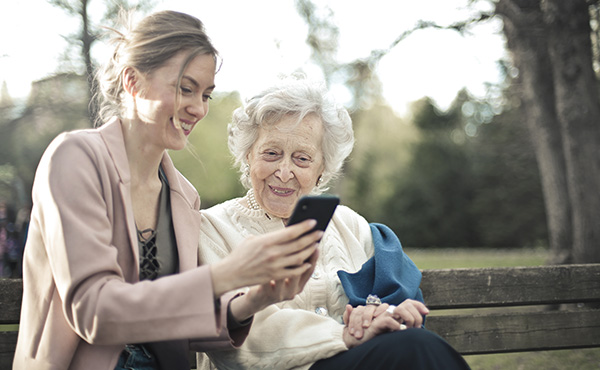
[(261, 296), (260, 259)]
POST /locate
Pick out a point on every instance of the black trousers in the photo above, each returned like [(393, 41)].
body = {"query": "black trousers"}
[(405, 349)]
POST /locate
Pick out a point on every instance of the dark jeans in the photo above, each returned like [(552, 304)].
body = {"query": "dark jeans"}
[(405, 349), (136, 357)]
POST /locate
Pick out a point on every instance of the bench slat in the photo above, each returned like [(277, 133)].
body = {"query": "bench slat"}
[(8, 343), (494, 287), (514, 332), (11, 291)]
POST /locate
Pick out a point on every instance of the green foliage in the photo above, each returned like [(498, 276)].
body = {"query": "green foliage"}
[(470, 182), (55, 105), (7, 177), (381, 149), (508, 202), (207, 162), (429, 205), (445, 179)]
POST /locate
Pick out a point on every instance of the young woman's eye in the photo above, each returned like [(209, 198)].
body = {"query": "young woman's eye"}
[(207, 97), (186, 90)]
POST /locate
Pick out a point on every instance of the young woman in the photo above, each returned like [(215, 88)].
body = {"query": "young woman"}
[(111, 270)]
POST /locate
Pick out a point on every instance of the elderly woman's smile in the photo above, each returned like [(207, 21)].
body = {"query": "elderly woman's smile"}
[(285, 163)]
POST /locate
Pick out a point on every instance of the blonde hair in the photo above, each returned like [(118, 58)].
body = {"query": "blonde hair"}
[(147, 47)]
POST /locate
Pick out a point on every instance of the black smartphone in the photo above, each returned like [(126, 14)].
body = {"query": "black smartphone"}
[(316, 207)]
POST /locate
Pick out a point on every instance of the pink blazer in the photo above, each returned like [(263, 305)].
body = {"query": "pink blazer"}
[(80, 303)]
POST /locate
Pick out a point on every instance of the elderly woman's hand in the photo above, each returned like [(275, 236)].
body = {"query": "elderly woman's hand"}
[(261, 259), (359, 318), (409, 313), (381, 324)]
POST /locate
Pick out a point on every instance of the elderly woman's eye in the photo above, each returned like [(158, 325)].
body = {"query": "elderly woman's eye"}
[(303, 160), (270, 155)]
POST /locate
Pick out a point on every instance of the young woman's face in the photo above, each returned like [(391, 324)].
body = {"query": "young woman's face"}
[(285, 163), (156, 102)]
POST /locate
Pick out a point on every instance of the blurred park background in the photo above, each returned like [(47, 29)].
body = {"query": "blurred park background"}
[(507, 173), (514, 166)]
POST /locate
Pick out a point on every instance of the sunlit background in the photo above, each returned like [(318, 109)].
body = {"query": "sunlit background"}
[(260, 39), (422, 92)]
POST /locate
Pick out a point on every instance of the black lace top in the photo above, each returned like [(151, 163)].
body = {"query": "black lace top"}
[(158, 249)]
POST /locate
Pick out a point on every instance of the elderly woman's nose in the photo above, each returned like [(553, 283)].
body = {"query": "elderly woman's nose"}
[(284, 171)]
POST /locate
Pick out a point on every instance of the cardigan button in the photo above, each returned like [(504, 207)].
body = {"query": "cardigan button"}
[(321, 311), (315, 275)]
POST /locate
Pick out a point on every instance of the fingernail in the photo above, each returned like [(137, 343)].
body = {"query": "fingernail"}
[(366, 323)]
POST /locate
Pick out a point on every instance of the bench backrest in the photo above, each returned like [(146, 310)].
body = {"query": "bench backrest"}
[(495, 310), (11, 291), (484, 310)]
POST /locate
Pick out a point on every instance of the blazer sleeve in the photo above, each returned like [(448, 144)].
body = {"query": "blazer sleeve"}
[(77, 190)]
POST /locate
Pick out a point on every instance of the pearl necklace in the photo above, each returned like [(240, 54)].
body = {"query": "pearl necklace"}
[(252, 203)]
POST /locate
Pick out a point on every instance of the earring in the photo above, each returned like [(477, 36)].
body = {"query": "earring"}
[(246, 170), (319, 181)]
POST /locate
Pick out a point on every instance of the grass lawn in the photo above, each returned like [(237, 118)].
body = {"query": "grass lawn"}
[(580, 359), (456, 258)]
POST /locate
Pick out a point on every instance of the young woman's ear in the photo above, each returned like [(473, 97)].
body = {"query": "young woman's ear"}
[(131, 81)]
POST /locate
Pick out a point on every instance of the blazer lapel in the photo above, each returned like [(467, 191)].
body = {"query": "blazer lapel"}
[(113, 137), (185, 214)]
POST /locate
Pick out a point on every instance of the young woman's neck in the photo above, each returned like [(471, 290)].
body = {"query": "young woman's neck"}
[(144, 158)]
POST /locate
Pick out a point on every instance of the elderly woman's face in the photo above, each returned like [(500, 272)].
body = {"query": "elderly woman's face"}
[(285, 163)]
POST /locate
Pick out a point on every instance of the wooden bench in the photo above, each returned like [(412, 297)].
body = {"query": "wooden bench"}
[(478, 311), (523, 316)]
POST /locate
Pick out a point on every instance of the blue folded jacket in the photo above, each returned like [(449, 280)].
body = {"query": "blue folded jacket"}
[(390, 273)]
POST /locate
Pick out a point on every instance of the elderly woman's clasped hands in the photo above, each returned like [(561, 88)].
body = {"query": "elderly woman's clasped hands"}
[(366, 322)]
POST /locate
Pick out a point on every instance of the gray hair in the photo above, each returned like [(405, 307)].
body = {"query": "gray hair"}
[(147, 47), (299, 98)]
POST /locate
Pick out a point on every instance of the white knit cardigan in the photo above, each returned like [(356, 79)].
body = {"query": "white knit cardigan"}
[(297, 333)]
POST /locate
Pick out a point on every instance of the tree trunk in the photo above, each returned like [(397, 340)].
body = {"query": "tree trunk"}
[(578, 110), (526, 39), (87, 39)]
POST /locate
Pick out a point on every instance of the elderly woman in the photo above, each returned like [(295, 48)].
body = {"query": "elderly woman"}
[(291, 140)]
